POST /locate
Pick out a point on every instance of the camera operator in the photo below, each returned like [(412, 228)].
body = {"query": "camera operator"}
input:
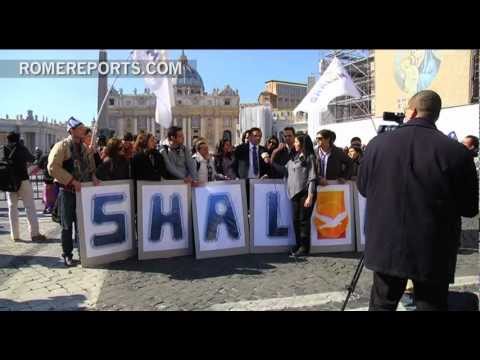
[(418, 183)]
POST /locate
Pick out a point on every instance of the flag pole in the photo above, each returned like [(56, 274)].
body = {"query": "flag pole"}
[(95, 128), (373, 123)]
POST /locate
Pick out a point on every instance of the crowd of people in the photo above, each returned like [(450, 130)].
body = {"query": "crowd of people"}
[(296, 158), (144, 157)]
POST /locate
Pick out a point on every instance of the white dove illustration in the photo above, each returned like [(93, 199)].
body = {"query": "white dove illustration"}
[(329, 222)]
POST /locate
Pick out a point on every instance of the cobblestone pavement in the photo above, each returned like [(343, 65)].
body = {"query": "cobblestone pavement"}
[(32, 277)]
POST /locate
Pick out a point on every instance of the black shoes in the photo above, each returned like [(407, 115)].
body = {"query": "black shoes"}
[(39, 238), (294, 249), (299, 251), (68, 260), (302, 251)]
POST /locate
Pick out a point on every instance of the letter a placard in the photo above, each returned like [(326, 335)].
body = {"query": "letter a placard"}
[(164, 218), (220, 219), (106, 229)]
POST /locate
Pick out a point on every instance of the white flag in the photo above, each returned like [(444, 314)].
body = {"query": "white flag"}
[(334, 82), (160, 86)]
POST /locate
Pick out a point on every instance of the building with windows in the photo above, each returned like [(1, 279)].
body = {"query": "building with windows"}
[(213, 116), (283, 97), (33, 131)]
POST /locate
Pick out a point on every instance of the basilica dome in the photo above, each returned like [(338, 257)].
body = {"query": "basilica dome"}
[(190, 82)]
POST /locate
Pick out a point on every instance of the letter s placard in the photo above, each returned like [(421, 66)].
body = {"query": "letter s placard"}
[(105, 222)]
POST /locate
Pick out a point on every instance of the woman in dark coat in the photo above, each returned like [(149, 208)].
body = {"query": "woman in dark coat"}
[(147, 162), (115, 165), (224, 159)]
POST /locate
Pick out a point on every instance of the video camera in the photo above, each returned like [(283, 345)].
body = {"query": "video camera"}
[(390, 116), (397, 117)]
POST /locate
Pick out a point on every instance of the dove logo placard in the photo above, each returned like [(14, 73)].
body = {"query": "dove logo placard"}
[(332, 219), (220, 219), (105, 224), (271, 225), (164, 218)]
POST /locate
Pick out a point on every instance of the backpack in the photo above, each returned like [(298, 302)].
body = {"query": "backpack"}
[(8, 181)]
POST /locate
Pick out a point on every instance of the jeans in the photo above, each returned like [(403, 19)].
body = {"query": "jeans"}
[(68, 218), (26, 193), (302, 219)]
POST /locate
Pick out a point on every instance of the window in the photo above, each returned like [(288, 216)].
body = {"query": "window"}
[(227, 101), (179, 102), (112, 101), (196, 122)]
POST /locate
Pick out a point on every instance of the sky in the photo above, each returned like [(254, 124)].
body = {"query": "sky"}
[(245, 70)]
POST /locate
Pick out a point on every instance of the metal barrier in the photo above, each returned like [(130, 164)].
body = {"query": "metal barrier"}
[(37, 186)]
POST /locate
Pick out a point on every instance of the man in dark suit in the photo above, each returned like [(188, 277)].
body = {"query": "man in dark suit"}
[(248, 163), (418, 183), (332, 162), (286, 153)]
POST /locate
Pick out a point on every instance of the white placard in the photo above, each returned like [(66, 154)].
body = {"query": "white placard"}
[(165, 217), (220, 219), (105, 221), (271, 216)]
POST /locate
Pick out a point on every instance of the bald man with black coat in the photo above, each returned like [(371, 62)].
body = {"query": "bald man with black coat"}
[(418, 183)]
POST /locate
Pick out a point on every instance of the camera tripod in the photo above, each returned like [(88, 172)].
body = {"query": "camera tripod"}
[(353, 283)]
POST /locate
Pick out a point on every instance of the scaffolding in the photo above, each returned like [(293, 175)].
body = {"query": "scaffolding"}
[(360, 65), (475, 83)]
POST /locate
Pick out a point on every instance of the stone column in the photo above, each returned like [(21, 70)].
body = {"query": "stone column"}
[(189, 131), (37, 138), (135, 125)]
